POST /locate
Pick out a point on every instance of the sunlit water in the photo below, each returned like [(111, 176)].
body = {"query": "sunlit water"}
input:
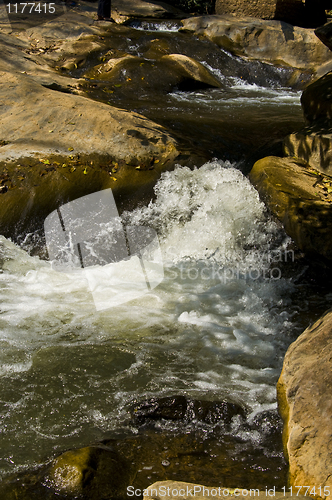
[(216, 328)]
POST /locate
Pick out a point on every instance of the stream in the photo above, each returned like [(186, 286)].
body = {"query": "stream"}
[(236, 292)]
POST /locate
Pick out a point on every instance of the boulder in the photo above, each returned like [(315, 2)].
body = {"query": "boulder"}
[(275, 42), (313, 144), (305, 402), (170, 72), (316, 101), (95, 471), (285, 10), (174, 490), (301, 199), (185, 409), (84, 137), (324, 33), (197, 448), (122, 10), (37, 120), (310, 13)]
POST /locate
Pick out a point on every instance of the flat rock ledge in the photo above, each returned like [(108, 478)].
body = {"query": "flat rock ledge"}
[(275, 42), (305, 403), (300, 197)]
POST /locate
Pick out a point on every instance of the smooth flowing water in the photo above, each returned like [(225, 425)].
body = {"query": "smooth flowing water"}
[(216, 328)]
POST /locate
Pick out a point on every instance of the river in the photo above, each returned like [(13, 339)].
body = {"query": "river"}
[(233, 297)]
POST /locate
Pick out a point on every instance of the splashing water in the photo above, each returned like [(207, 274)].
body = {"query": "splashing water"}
[(214, 328)]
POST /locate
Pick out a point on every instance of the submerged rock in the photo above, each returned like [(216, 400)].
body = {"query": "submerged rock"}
[(301, 199), (186, 410), (289, 11), (305, 402), (275, 42)]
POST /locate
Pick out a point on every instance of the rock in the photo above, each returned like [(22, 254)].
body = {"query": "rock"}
[(301, 199), (38, 122), (310, 13), (313, 144), (324, 33), (170, 72), (122, 10), (305, 402), (182, 408), (172, 490), (316, 100), (271, 41), (95, 471), (202, 453), (190, 69), (36, 119), (287, 10)]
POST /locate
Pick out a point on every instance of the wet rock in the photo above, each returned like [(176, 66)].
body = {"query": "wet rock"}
[(95, 471), (305, 402), (191, 71), (313, 145), (301, 199), (130, 74), (324, 33), (186, 410), (271, 41)]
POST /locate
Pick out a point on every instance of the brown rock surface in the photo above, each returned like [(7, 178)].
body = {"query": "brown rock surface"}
[(271, 41), (301, 199), (147, 9), (284, 10), (305, 402), (313, 144)]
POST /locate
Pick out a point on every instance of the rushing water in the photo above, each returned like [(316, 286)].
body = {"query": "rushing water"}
[(216, 328)]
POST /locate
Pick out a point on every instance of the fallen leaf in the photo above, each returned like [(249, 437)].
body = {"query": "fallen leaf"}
[(70, 149), (85, 171)]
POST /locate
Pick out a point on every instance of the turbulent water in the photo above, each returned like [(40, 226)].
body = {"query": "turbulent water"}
[(215, 328)]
